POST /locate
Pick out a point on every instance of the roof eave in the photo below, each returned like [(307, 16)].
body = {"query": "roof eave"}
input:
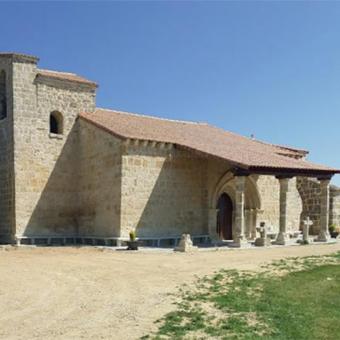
[(293, 172)]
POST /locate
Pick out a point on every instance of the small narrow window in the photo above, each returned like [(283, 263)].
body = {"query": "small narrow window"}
[(56, 123), (3, 101)]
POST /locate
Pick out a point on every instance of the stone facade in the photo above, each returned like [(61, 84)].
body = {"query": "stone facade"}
[(334, 218), (270, 193), (7, 227), (85, 182), (46, 191), (310, 191), (99, 172), (163, 191)]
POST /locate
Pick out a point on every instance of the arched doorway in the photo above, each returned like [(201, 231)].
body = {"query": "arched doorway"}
[(225, 217)]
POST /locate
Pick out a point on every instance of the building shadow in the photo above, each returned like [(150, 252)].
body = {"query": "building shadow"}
[(80, 197), (173, 198)]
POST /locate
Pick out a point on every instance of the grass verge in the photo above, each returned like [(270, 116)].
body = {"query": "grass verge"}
[(296, 298)]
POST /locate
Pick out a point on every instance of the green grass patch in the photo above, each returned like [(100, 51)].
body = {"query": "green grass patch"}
[(297, 298)]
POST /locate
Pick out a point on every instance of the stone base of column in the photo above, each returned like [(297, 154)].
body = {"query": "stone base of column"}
[(262, 242), (240, 242), (282, 239), (323, 236)]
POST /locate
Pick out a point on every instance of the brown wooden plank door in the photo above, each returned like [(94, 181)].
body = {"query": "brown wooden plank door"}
[(225, 217)]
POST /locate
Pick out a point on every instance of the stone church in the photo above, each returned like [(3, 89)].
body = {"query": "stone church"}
[(74, 173)]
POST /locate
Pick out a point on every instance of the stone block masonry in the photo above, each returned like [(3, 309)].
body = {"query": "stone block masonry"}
[(162, 191), (46, 166), (99, 182), (85, 183), (7, 228)]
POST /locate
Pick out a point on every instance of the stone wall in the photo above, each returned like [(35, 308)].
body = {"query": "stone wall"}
[(163, 191), (6, 156), (334, 206), (46, 165), (309, 190), (166, 192), (86, 182), (99, 185), (269, 189)]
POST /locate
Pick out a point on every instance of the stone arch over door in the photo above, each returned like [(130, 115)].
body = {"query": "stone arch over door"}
[(226, 185)]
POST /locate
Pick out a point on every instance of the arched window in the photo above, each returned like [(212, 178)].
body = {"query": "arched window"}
[(56, 123), (3, 101)]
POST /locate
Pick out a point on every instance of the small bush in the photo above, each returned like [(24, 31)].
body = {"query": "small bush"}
[(132, 235), (332, 228)]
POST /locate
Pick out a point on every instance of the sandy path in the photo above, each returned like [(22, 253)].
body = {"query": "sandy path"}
[(70, 293)]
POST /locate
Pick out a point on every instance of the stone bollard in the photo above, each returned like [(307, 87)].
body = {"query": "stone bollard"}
[(185, 244)]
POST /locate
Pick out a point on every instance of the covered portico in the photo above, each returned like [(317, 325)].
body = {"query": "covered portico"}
[(241, 178)]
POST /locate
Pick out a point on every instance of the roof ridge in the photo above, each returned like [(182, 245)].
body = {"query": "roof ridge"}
[(207, 124), (284, 147), (153, 117), (61, 72)]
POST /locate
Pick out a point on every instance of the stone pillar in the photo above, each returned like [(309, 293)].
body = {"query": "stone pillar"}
[(214, 237), (324, 211), (253, 216), (282, 237), (248, 222), (239, 239)]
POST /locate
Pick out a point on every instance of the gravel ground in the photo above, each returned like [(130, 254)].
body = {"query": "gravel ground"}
[(83, 293)]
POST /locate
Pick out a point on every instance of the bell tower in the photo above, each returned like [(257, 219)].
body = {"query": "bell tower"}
[(14, 70)]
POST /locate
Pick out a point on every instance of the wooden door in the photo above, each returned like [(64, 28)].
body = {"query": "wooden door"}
[(225, 217)]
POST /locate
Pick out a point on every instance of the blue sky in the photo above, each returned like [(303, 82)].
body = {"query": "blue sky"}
[(271, 69)]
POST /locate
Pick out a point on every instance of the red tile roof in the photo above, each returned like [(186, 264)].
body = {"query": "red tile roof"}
[(241, 151), (65, 76)]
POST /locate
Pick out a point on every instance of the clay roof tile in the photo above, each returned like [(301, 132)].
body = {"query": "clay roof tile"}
[(204, 138)]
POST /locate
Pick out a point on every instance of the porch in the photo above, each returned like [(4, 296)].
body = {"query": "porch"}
[(245, 202)]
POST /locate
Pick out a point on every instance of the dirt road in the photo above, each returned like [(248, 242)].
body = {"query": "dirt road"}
[(83, 293)]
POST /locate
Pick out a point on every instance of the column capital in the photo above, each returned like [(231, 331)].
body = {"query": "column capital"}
[(284, 177), (324, 181), (324, 177), (284, 183), (238, 172), (240, 182)]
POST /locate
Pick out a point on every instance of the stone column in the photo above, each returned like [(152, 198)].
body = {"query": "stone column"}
[(239, 239), (282, 238), (324, 211), (248, 223), (253, 216), (214, 237)]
